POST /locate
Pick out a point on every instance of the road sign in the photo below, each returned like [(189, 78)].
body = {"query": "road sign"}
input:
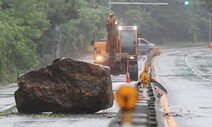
[(136, 3)]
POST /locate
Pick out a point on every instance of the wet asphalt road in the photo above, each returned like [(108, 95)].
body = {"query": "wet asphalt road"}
[(11, 118), (7, 100), (187, 75)]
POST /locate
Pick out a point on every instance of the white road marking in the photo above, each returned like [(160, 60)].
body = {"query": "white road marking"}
[(194, 70)]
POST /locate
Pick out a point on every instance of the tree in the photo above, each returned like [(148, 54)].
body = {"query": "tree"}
[(78, 33), (58, 12), (175, 22), (27, 27), (21, 25), (208, 3)]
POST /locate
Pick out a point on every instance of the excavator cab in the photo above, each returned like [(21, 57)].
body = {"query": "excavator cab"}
[(129, 49), (120, 50), (128, 40)]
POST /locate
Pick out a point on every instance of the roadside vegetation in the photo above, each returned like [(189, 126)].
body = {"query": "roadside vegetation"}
[(31, 30)]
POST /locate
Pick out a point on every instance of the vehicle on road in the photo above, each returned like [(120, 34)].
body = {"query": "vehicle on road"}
[(120, 50), (144, 46)]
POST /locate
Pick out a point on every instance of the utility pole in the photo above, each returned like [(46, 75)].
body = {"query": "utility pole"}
[(210, 24), (57, 38), (109, 4)]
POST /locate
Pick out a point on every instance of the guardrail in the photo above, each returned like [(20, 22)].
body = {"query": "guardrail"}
[(147, 111)]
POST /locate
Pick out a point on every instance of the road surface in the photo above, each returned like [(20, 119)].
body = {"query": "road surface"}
[(186, 73), (11, 118)]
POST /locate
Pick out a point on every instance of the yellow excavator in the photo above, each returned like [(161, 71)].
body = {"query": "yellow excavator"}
[(120, 50)]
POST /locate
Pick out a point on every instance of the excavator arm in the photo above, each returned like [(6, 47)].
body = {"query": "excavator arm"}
[(112, 38)]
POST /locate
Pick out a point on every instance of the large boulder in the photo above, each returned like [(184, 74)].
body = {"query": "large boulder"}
[(66, 86)]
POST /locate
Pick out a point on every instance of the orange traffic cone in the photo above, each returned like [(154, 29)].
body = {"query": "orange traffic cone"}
[(127, 73), (210, 45), (128, 77)]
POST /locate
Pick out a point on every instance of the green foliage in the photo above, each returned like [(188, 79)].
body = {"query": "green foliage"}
[(175, 22), (78, 33), (20, 26), (28, 27), (59, 11), (208, 3)]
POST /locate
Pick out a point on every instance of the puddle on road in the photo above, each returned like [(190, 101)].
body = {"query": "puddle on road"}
[(205, 107), (203, 69), (6, 95), (51, 119), (176, 54), (25, 123), (185, 115), (99, 115)]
